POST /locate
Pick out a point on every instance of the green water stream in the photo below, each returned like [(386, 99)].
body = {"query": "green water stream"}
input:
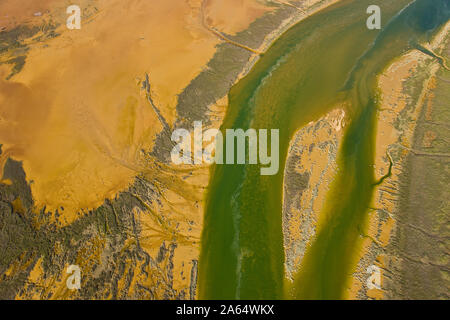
[(327, 59)]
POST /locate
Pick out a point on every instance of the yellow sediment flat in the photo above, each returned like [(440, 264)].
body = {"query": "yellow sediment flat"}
[(13, 13), (232, 16), (76, 115), (382, 220), (301, 216), (380, 226)]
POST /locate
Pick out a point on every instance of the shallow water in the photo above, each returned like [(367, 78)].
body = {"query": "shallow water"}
[(328, 59)]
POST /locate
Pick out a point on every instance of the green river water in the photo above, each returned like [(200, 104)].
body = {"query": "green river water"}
[(326, 59)]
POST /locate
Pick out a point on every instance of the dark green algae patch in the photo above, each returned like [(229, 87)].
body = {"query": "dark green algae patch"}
[(328, 59)]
